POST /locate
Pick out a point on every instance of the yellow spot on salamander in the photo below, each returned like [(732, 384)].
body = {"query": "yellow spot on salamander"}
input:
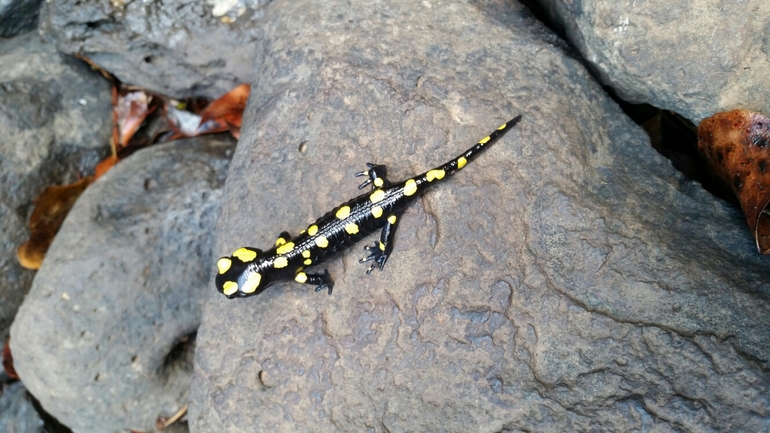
[(285, 248), (351, 228), (484, 140), (378, 182), (435, 174), (280, 241), (308, 262), (302, 232), (246, 255), (322, 242), (382, 246), (224, 264), (461, 162), (377, 211), (343, 212), (251, 284), (377, 196), (392, 219), (306, 254), (301, 277), (229, 287), (410, 188), (502, 126), (280, 262), (312, 230)]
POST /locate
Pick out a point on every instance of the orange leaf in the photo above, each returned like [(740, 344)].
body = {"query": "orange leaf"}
[(51, 207), (737, 145), (8, 360), (226, 113), (104, 166)]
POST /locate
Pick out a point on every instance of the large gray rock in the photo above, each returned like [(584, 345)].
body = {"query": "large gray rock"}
[(55, 124), (567, 280), (99, 339), (175, 47), (695, 57), (18, 16)]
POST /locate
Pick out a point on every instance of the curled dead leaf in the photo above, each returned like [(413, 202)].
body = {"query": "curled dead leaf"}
[(737, 145), (226, 113), (51, 207)]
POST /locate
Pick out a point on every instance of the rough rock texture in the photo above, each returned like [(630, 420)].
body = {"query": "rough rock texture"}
[(176, 47), (98, 338), (18, 16), (17, 415), (567, 280), (695, 57), (54, 124)]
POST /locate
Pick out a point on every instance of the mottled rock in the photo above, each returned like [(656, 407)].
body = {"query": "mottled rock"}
[(55, 123), (568, 280), (175, 47), (695, 57), (17, 414), (18, 16), (100, 339)]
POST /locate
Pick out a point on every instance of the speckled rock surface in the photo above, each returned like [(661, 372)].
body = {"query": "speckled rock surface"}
[(696, 57), (567, 280), (18, 16), (54, 123), (175, 47), (98, 340)]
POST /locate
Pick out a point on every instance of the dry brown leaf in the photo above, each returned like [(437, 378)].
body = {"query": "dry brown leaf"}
[(51, 207), (130, 111), (737, 145), (8, 360), (226, 113)]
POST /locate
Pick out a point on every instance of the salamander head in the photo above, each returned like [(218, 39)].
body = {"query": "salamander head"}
[(239, 276)]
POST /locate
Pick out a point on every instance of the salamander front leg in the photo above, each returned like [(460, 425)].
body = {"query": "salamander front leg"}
[(323, 281), (377, 176), (381, 250)]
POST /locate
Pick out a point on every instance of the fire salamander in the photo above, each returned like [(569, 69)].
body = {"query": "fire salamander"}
[(249, 271)]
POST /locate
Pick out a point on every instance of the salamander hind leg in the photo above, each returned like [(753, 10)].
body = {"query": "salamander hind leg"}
[(282, 238), (381, 250), (323, 281), (377, 174)]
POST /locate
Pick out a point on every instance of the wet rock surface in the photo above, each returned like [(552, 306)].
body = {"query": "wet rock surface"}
[(177, 48), (695, 57), (54, 126), (103, 339), (568, 280)]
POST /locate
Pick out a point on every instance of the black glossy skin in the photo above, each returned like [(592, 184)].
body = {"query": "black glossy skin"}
[(249, 271)]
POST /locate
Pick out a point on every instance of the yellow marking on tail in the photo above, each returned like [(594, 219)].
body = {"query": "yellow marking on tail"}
[(461, 162), (435, 174), (280, 262)]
